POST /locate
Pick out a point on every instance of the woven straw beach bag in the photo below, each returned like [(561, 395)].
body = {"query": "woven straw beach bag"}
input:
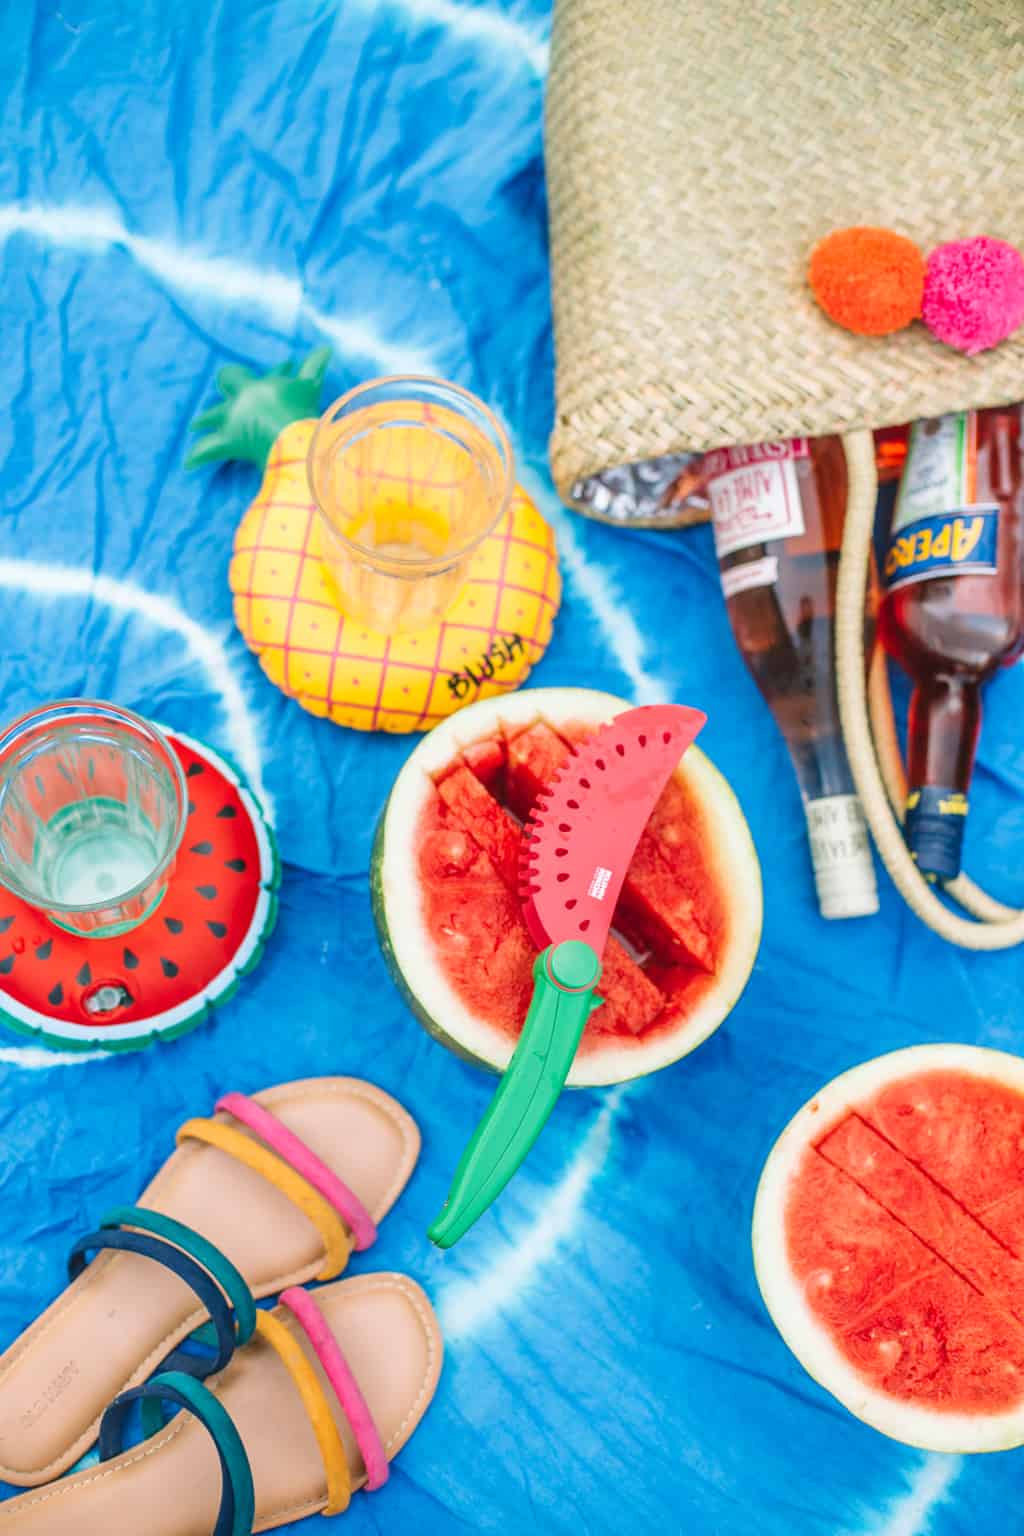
[(697, 151)]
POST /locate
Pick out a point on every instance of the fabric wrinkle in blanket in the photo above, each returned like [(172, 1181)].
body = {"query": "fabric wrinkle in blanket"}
[(192, 185)]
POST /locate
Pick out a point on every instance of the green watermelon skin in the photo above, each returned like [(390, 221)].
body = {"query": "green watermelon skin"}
[(187, 958), (432, 1026)]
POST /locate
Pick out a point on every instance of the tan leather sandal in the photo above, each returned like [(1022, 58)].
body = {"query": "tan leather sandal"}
[(314, 1407), (271, 1192)]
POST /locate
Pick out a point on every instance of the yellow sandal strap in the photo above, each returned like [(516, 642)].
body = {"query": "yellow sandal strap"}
[(316, 1403), (337, 1239)]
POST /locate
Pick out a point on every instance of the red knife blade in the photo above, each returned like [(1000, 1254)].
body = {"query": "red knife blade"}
[(584, 828)]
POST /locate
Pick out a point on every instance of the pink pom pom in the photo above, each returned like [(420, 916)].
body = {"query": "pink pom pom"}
[(973, 293)]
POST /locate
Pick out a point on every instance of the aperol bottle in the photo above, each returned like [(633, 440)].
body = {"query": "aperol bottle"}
[(953, 609), (777, 511)]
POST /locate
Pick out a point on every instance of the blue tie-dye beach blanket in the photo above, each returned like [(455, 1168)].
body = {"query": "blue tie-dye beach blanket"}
[(190, 184)]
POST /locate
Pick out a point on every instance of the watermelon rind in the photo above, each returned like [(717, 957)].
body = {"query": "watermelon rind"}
[(181, 1020), (408, 948), (926, 1428)]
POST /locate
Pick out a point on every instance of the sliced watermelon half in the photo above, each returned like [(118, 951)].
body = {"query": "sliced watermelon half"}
[(160, 979), (444, 884), (889, 1244)]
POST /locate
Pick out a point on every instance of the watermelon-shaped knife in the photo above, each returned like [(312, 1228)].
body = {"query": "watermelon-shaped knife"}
[(576, 849)]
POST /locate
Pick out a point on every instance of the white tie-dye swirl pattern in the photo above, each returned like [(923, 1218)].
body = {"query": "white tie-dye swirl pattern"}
[(911, 1513), (480, 26)]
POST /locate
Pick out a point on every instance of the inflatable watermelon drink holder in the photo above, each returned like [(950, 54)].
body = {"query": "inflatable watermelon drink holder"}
[(286, 604), (161, 978)]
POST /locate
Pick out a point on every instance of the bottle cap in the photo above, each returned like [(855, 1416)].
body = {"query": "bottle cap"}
[(844, 871), (934, 830)]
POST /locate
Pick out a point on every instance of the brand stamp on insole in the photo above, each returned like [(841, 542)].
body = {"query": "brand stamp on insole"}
[(46, 1399)]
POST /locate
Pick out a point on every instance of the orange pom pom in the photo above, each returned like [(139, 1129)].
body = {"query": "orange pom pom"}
[(868, 280)]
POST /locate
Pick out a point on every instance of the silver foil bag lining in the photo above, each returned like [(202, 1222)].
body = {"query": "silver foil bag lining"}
[(657, 493)]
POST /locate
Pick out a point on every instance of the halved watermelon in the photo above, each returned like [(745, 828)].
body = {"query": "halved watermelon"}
[(889, 1244), (444, 885)]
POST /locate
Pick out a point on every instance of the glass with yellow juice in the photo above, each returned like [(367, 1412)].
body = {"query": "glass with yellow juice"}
[(408, 475)]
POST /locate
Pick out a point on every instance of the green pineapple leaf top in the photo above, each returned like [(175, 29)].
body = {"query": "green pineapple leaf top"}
[(255, 409)]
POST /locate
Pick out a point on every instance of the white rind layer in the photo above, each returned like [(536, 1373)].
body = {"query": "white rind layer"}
[(729, 839), (810, 1341)]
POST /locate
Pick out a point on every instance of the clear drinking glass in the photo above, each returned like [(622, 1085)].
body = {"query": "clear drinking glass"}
[(408, 475), (92, 811)]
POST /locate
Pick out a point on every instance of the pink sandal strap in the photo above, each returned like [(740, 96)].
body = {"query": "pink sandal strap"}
[(305, 1162), (301, 1304)]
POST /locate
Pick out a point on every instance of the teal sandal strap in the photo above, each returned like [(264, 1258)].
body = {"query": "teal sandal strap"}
[(238, 1501), (199, 1248)]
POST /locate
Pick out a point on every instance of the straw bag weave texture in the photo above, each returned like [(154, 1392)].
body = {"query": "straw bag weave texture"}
[(697, 150)]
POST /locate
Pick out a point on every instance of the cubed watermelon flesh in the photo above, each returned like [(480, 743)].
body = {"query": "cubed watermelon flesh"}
[(671, 912)]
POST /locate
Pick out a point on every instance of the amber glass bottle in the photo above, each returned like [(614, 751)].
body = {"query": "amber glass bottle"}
[(777, 513), (953, 610)]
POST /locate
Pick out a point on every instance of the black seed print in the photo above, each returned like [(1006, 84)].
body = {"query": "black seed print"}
[(6, 965), (193, 769), (191, 807), (56, 997), (168, 967), (218, 929), (64, 773), (238, 864), (5, 923), (44, 951), (226, 812), (84, 976), (39, 785), (201, 848), (130, 958), (174, 924), (208, 892)]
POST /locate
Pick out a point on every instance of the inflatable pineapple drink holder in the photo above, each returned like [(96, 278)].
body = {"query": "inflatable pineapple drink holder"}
[(288, 609)]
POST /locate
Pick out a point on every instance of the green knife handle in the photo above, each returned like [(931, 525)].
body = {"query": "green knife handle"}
[(564, 978)]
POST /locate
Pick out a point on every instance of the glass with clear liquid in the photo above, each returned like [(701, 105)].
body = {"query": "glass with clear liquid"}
[(93, 807)]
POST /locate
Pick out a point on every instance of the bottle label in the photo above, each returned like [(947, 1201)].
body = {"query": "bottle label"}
[(960, 542), (937, 528), (941, 468), (844, 872), (754, 493), (752, 573)]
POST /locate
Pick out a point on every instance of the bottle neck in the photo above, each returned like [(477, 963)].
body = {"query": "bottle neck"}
[(945, 717)]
